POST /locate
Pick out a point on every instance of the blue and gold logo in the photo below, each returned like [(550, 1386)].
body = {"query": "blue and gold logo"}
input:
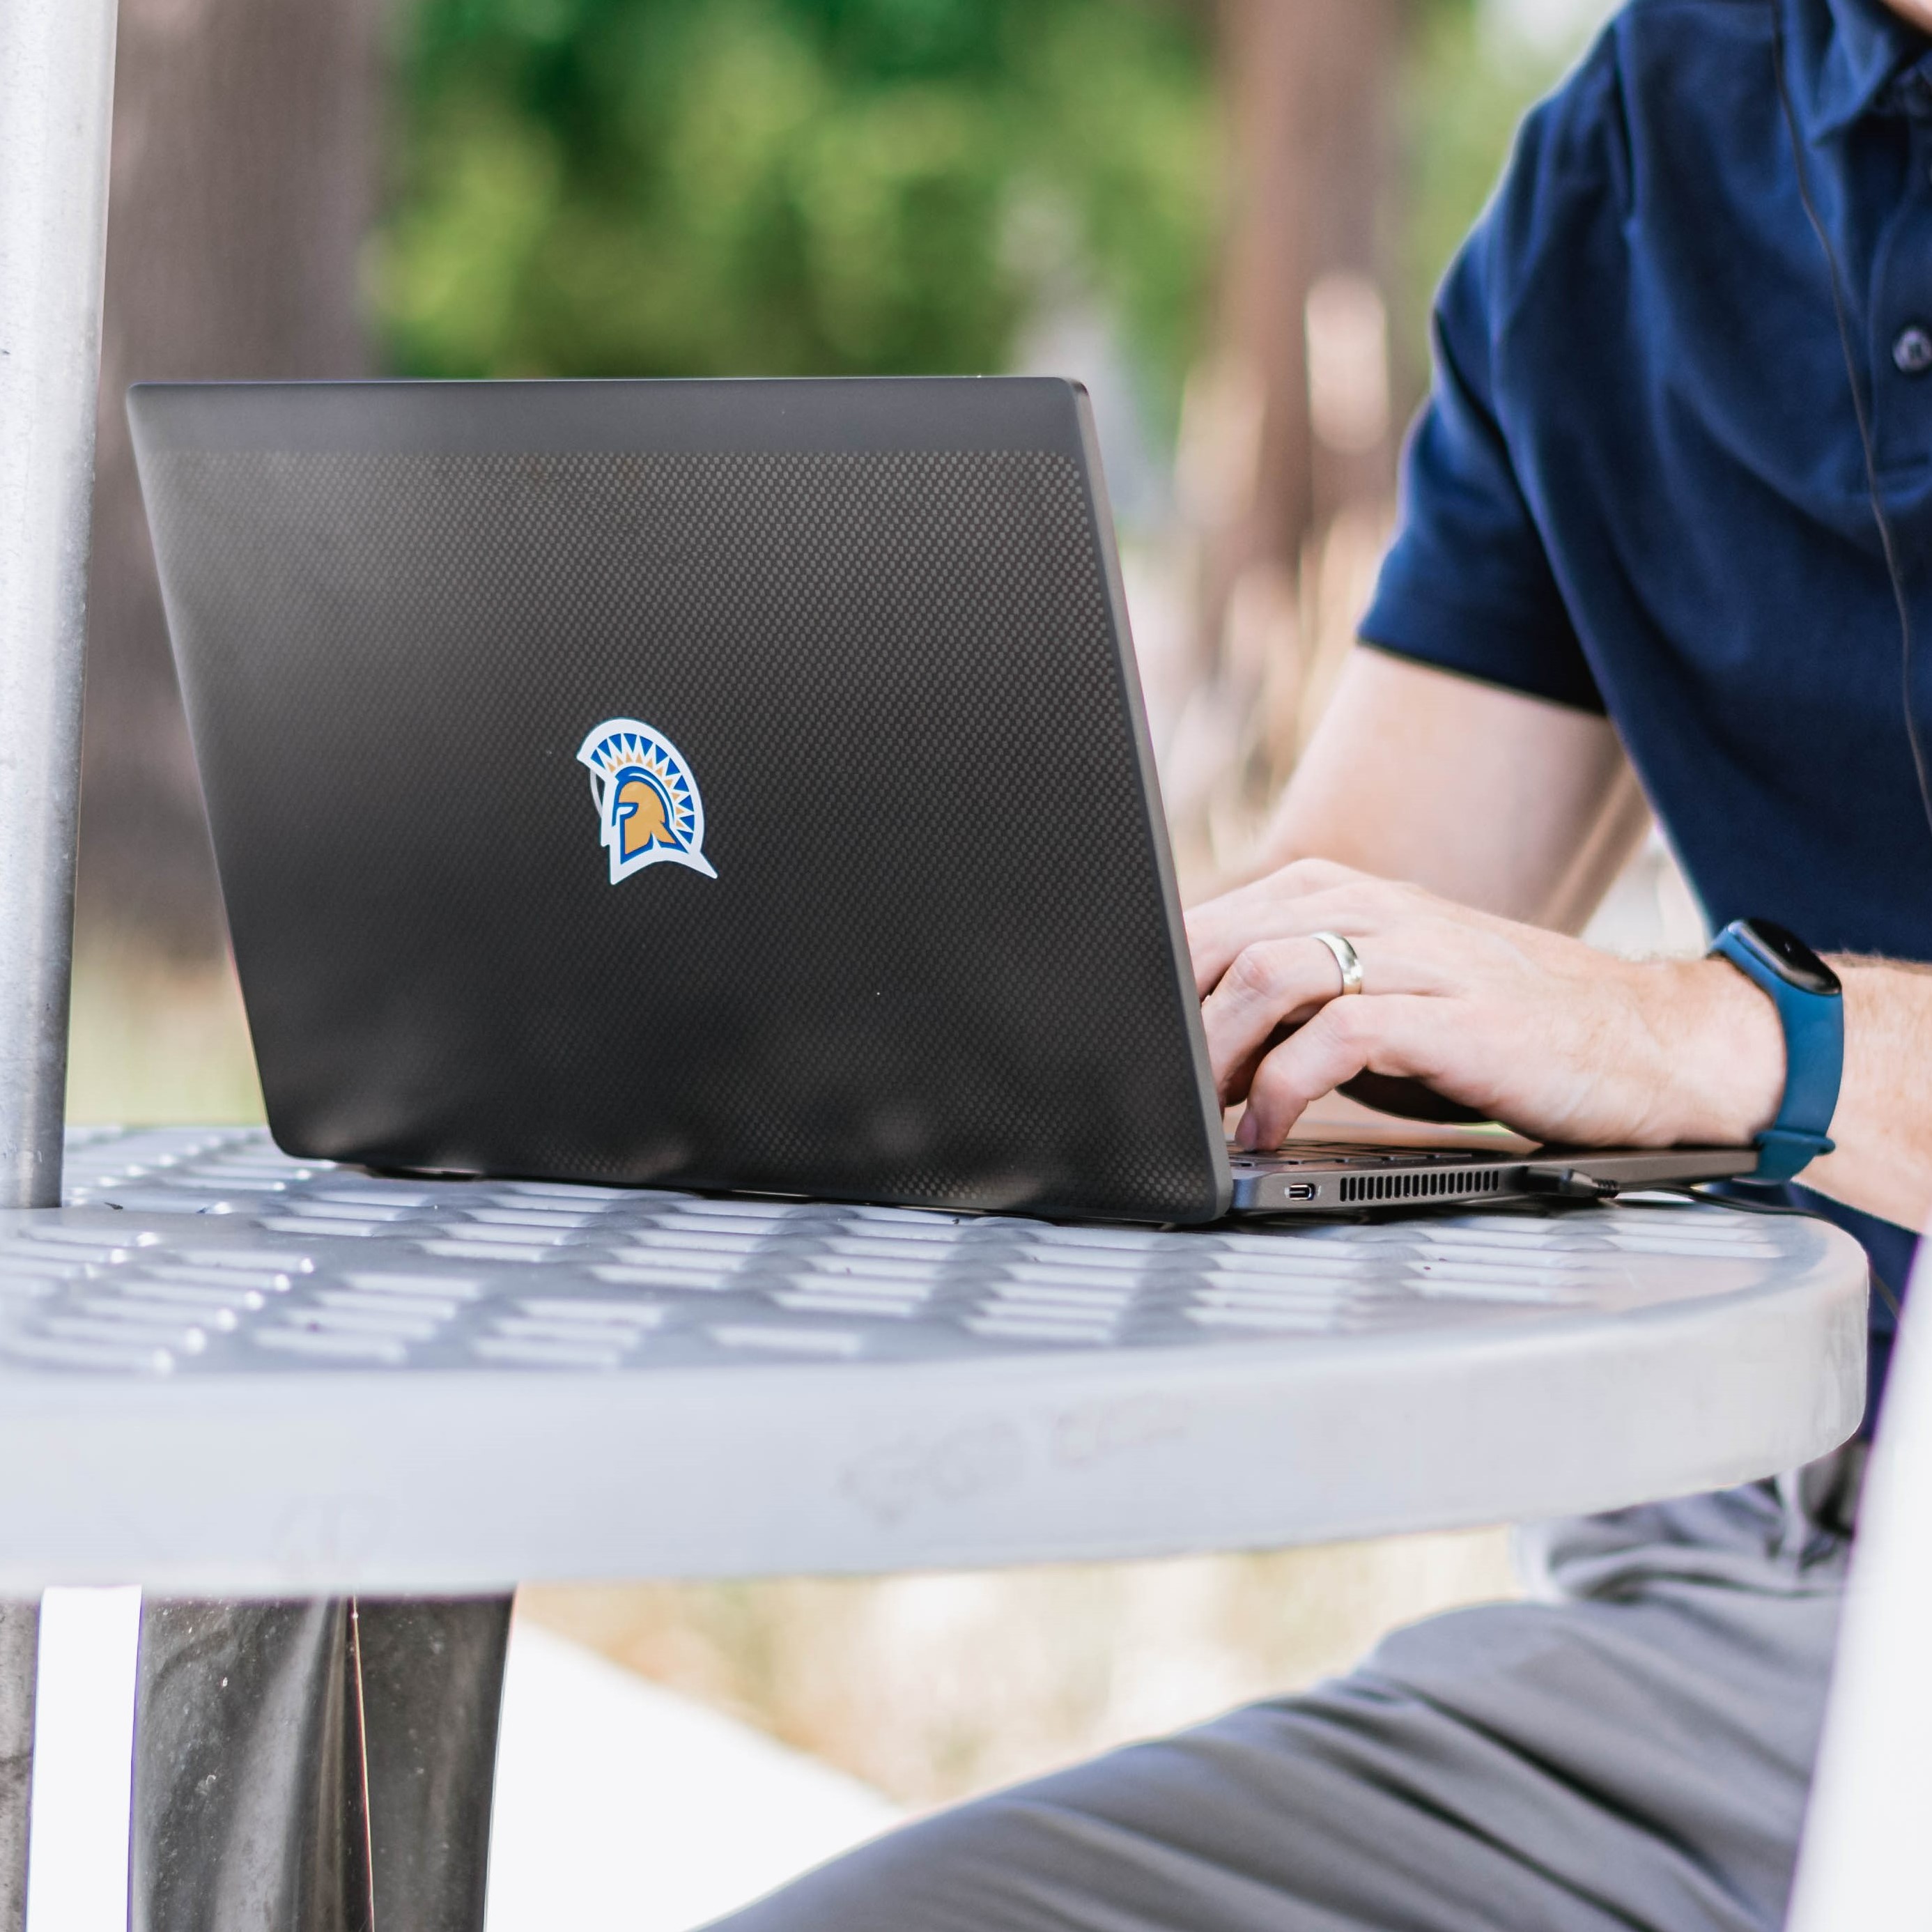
[(647, 800)]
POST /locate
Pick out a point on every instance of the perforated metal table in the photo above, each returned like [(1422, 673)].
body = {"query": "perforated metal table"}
[(225, 1371)]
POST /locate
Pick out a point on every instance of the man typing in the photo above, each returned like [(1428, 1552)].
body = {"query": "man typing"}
[(1668, 513)]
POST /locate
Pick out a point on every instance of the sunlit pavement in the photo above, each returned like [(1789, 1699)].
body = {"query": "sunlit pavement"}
[(620, 1807), (619, 1804)]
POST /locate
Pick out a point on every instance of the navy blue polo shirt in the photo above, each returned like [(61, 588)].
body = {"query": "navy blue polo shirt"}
[(1637, 486)]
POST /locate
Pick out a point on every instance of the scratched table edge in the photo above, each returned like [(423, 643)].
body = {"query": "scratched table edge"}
[(256, 1575), (1819, 1285)]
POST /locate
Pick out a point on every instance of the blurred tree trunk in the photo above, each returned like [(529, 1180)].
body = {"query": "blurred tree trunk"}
[(1310, 85), (1286, 435), (243, 180)]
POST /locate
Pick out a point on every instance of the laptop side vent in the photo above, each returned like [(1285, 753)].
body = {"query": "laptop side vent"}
[(1444, 1181)]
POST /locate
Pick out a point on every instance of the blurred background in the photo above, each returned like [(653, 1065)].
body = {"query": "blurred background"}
[(1225, 217)]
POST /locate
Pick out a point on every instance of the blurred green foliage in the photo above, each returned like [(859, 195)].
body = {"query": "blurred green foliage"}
[(693, 186), (588, 187)]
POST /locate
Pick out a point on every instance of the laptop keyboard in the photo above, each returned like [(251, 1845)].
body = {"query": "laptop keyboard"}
[(1327, 1154)]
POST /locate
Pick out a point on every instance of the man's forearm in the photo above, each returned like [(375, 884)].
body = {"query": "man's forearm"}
[(1720, 1035), (1883, 1126), (1522, 808), (1505, 803)]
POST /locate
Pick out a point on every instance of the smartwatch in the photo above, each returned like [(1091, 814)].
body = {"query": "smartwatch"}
[(1811, 1009)]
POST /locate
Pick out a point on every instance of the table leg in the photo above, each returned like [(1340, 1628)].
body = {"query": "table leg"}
[(19, 1669), (315, 1766), (432, 1690)]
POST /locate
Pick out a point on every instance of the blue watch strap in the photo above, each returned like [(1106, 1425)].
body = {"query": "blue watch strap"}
[(1814, 1060)]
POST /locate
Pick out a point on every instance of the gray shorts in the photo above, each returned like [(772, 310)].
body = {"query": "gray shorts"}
[(1631, 1749)]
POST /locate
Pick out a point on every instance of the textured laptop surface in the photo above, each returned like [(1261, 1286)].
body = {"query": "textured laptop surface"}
[(874, 904)]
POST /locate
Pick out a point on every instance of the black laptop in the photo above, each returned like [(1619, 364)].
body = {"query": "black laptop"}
[(732, 785)]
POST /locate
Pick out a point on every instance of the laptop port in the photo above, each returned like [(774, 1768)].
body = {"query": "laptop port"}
[(1300, 1190)]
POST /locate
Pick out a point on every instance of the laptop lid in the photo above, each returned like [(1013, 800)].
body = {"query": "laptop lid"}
[(733, 784)]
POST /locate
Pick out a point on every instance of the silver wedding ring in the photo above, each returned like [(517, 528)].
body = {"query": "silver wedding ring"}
[(1346, 957)]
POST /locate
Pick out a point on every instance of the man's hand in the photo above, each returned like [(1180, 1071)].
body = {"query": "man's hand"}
[(1538, 1030)]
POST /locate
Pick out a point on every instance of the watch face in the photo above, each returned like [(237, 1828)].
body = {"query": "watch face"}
[(1788, 956)]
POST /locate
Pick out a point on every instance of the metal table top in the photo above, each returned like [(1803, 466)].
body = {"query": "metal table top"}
[(224, 1370)]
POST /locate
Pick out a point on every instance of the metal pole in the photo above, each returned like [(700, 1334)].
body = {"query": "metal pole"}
[(56, 102), (19, 1658)]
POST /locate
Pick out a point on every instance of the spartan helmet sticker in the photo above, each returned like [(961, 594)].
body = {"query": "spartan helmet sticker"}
[(647, 800)]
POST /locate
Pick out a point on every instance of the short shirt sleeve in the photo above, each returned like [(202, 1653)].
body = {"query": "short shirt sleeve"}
[(1467, 584)]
